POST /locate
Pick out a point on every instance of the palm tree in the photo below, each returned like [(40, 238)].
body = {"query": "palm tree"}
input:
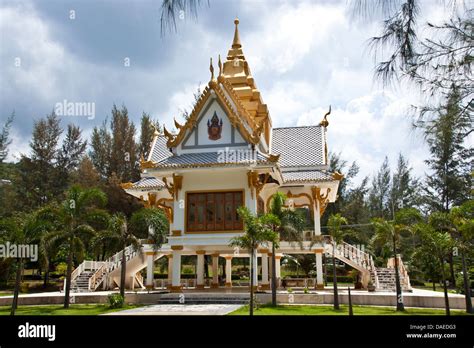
[(389, 233), (21, 229), (288, 225), (462, 218), (74, 220), (438, 245), (335, 231), (121, 233), (146, 222), (258, 232)]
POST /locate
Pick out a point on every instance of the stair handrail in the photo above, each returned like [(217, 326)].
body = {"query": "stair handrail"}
[(115, 260), (354, 254), (405, 278), (94, 280)]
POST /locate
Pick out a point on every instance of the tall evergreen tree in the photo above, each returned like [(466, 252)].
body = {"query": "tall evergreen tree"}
[(38, 173), (379, 195), (449, 182), (404, 190), (148, 128), (5, 137), (100, 154)]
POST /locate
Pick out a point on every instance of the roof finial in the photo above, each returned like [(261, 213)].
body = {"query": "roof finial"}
[(211, 68), (325, 122), (236, 42), (219, 63)]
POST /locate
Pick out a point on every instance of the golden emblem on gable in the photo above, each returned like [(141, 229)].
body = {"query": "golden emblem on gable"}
[(214, 127)]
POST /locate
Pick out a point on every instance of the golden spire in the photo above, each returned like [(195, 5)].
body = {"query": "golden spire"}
[(220, 65), (236, 42), (211, 68)]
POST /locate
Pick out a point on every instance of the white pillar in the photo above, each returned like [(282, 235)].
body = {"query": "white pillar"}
[(200, 269), (150, 262), (255, 269), (228, 271), (277, 268), (265, 283), (215, 271), (319, 270), (170, 269), (176, 271), (317, 218)]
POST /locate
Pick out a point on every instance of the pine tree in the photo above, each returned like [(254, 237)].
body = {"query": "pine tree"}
[(5, 140), (148, 127), (449, 181), (379, 195)]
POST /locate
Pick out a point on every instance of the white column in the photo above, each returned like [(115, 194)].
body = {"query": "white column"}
[(319, 270), (215, 271), (255, 269), (200, 269), (317, 218), (265, 283), (149, 269), (277, 268), (176, 271), (170, 269), (228, 271)]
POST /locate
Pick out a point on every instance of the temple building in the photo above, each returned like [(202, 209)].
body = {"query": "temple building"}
[(228, 154)]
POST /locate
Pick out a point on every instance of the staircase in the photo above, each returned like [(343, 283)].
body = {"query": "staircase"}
[(386, 280), (90, 275), (383, 278)]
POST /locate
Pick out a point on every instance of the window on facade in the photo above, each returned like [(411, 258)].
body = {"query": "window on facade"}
[(214, 211)]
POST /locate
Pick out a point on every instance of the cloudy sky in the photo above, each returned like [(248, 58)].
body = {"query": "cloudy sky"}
[(304, 56)]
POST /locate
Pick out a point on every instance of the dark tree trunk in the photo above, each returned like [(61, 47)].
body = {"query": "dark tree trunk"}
[(400, 306), (467, 290), (350, 300), (123, 273), (334, 276), (445, 288), (274, 280), (451, 270), (434, 285), (17, 286), (206, 266), (251, 281), (68, 274), (46, 273)]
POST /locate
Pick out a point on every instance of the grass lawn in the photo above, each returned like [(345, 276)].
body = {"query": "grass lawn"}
[(429, 286), (5, 294), (328, 310), (75, 309)]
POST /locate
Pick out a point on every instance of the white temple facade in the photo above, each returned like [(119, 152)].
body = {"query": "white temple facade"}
[(227, 154)]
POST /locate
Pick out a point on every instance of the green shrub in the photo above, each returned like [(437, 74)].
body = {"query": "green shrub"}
[(116, 301), (61, 268)]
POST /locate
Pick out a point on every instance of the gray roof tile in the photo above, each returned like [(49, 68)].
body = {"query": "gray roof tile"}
[(305, 176), (299, 146), (207, 158), (148, 182), (160, 151)]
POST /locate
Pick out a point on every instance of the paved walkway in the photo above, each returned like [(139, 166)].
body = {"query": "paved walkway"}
[(180, 309)]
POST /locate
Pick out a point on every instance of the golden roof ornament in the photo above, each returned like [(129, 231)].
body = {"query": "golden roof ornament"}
[(236, 43), (324, 123), (211, 68)]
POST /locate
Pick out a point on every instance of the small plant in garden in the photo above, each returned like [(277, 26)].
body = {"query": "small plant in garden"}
[(290, 290), (116, 301), (306, 290)]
